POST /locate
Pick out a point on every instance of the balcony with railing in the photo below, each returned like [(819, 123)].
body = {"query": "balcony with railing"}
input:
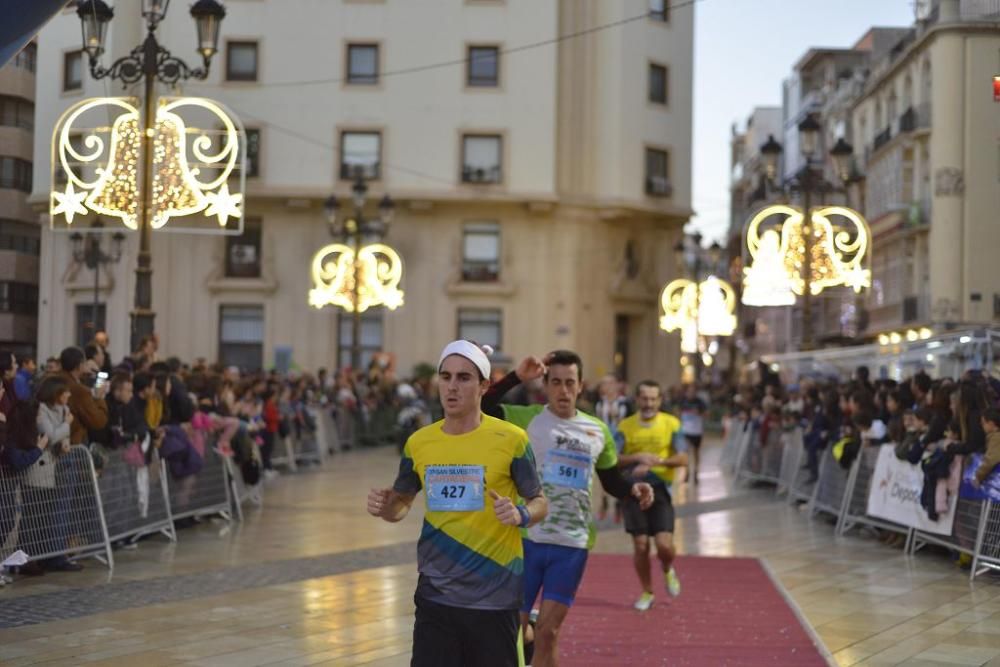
[(915, 118), (882, 138), (973, 10), (909, 311)]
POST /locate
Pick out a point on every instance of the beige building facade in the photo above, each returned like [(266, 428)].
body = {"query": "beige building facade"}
[(917, 106), (925, 129), (538, 192), (19, 230)]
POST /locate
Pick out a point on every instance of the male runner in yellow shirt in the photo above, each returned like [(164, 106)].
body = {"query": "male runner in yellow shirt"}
[(469, 554), (653, 447)]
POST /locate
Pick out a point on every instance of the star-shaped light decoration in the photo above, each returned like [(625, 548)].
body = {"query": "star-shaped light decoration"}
[(223, 205), (69, 203)]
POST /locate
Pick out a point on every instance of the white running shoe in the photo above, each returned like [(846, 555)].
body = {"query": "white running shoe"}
[(673, 583), (644, 602)]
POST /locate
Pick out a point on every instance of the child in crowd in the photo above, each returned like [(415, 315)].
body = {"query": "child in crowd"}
[(920, 437), (991, 426), (128, 424)]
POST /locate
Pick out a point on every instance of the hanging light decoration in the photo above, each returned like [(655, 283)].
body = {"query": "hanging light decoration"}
[(698, 309), (378, 270), (780, 269), (194, 169)]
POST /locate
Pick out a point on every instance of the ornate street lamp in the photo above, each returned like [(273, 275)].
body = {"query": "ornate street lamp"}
[(809, 137), (89, 252), (806, 252), (701, 306), (148, 62), (771, 151), (357, 272)]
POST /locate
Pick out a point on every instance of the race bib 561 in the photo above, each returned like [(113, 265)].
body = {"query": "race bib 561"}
[(456, 488), (565, 468)]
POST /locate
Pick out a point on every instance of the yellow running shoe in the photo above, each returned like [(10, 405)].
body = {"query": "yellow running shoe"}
[(644, 602), (673, 583)]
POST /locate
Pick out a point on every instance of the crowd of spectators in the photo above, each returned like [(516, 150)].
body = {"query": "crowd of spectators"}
[(932, 422), (135, 407)]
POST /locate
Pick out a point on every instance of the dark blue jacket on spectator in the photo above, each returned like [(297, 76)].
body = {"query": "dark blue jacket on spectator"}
[(180, 455), (17, 459), (22, 385)]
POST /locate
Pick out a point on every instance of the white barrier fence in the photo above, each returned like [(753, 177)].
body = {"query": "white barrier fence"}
[(731, 449), (306, 444), (64, 506), (134, 495), (878, 491), (53, 509), (204, 493), (761, 461)]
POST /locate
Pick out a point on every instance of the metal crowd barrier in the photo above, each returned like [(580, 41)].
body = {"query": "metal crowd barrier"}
[(135, 498), (381, 427), (792, 451), (54, 509), (306, 446), (347, 427), (987, 555), (744, 440), (204, 493), (326, 431), (761, 463), (844, 494), (830, 494), (858, 487), (971, 519), (732, 446), (801, 487), (239, 491), (283, 453)]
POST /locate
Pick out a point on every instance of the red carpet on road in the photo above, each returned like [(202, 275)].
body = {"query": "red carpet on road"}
[(728, 613)]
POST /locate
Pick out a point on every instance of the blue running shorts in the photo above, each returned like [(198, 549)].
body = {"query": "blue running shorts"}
[(554, 569)]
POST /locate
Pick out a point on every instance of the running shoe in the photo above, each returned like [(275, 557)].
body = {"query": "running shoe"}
[(644, 602), (673, 583)]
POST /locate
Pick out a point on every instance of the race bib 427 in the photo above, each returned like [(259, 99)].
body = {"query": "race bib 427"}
[(457, 488)]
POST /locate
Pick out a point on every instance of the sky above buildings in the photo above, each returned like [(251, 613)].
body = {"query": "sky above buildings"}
[(744, 49)]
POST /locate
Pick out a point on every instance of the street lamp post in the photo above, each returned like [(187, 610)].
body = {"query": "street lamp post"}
[(149, 62), (90, 253), (807, 181), (694, 267), (353, 231)]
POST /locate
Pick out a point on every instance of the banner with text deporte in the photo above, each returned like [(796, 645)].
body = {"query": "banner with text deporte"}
[(895, 495)]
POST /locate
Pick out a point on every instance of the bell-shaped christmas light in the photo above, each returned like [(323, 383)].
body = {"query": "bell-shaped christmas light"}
[(784, 263)]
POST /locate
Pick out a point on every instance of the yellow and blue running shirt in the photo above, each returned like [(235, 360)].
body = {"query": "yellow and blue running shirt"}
[(660, 436), (465, 556)]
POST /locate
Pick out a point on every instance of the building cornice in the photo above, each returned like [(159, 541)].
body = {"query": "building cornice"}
[(537, 203), (919, 45), (540, 203)]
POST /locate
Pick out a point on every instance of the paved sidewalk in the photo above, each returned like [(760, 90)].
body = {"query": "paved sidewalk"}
[(311, 579)]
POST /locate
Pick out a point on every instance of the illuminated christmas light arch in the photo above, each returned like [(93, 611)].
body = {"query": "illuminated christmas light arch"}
[(839, 254), (97, 149), (379, 272), (698, 309)]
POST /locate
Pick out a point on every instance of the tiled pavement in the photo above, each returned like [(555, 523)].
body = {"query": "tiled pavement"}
[(311, 580)]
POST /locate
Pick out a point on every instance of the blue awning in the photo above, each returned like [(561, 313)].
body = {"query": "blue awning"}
[(22, 21)]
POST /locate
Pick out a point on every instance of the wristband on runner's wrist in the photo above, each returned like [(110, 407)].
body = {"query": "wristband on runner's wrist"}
[(525, 515)]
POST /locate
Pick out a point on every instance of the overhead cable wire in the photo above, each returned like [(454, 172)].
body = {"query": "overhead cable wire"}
[(514, 49)]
